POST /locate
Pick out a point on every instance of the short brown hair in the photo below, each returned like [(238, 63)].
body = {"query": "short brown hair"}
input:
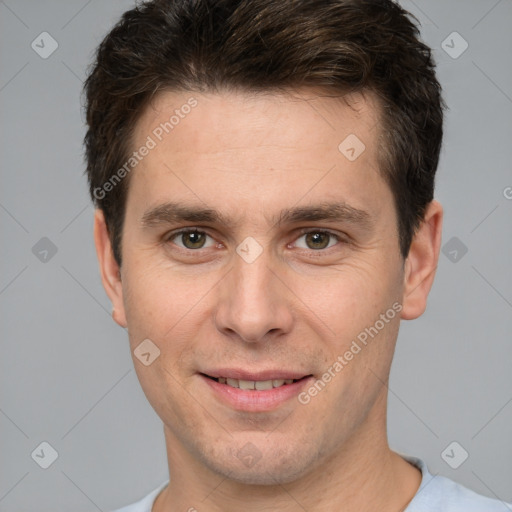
[(268, 45)]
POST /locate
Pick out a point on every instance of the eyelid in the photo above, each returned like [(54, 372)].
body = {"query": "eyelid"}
[(305, 231), (188, 229)]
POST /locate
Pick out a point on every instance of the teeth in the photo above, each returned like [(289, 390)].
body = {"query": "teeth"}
[(232, 382), (259, 385), (246, 384), (263, 384)]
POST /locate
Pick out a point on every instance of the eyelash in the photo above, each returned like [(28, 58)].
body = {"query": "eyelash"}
[(171, 236)]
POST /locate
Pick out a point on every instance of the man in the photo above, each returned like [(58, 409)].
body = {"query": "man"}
[(263, 173)]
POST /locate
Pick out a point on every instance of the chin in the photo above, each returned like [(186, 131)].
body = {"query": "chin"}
[(272, 467), (262, 476)]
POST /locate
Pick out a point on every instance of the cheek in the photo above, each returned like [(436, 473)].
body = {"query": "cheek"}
[(352, 306), (351, 298), (171, 310), (156, 298), (159, 310)]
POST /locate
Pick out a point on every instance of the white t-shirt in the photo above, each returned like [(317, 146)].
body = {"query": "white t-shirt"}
[(435, 494)]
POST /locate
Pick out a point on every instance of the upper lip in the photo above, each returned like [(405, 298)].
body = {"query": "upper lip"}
[(234, 373)]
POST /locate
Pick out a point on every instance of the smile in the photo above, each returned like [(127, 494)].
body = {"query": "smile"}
[(255, 392), (257, 385)]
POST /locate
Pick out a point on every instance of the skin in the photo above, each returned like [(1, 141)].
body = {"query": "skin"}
[(294, 307)]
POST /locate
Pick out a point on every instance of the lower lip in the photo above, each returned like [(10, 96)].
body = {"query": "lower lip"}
[(254, 400)]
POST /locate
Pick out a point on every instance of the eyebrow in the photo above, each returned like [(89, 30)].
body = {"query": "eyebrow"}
[(336, 212), (175, 212)]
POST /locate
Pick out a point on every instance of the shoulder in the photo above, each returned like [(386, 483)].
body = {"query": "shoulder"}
[(440, 494), (448, 496), (146, 503)]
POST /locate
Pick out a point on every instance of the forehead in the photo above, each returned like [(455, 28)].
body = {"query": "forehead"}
[(252, 143), (257, 117)]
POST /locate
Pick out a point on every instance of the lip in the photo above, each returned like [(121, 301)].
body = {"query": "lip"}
[(254, 400)]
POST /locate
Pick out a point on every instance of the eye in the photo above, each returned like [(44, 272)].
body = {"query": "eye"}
[(317, 239), (189, 239), (194, 239)]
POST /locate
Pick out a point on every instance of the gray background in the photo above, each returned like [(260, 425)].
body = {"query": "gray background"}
[(66, 374)]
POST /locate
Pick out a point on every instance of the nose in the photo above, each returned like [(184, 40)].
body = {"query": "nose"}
[(254, 303)]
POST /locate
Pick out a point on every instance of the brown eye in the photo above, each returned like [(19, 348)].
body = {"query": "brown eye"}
[(189, 239), (317, 240), (193, 240)]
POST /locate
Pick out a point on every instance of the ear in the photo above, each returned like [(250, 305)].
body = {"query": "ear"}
[(109, 269), (421, 262)]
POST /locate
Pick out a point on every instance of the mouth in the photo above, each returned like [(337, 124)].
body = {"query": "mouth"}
[(255, 392), (255, 385)]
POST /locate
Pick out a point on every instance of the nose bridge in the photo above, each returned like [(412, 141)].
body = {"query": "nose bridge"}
[(253, 301), (252, 282)]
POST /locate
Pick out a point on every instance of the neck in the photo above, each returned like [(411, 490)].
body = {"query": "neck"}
[(364, 474)]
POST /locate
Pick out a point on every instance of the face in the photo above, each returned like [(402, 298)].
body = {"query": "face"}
[(257, 256)]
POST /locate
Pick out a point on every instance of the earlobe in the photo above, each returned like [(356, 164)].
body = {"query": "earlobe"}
[(109, 268), (421, 262)]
